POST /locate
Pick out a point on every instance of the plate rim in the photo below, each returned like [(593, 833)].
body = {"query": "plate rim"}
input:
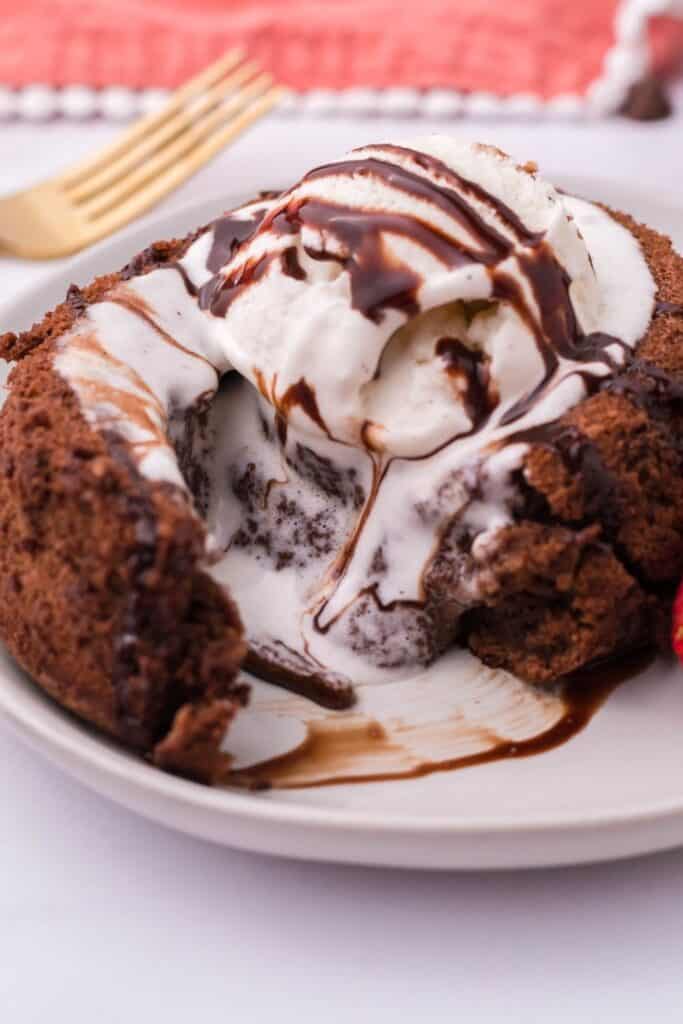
[(83, 743)]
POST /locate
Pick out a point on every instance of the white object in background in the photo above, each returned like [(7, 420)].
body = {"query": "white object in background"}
[(623, 66)]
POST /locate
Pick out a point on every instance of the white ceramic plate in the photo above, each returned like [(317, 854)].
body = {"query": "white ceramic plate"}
[(614, 790)]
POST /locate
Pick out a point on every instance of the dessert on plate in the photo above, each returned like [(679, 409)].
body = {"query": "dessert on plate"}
[(420, 399)]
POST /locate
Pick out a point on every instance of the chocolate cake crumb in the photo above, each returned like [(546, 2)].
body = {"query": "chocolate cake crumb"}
[(192, 746), (647, 100)]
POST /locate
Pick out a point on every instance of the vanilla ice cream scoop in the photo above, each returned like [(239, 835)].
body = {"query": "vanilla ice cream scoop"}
[(417, 291)]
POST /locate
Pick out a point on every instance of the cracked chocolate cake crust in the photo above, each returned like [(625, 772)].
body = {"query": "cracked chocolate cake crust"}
[(101, 596), (104, 601), (602, 487)]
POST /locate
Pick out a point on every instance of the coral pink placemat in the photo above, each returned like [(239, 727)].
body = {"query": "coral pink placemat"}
[(545, 49)]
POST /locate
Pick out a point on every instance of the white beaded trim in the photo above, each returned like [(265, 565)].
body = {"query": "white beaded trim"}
[(624, 64)]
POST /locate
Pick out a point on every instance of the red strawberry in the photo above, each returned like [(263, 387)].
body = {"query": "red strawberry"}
[(677, 625)]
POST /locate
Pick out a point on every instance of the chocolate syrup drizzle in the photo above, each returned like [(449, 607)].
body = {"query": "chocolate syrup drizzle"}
[(135, 304), (470, 369), (300, 394), (228, 233), (378, 281)]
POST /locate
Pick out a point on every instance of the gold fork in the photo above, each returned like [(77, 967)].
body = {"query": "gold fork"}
[(101, 194)]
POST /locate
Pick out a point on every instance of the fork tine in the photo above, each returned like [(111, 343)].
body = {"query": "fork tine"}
[(174, 127), (181, 148), (181, 170), (147, 124)]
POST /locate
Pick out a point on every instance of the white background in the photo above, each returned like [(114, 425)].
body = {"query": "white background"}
[(106, 918)]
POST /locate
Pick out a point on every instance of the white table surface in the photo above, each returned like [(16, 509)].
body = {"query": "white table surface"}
[(106, 918)]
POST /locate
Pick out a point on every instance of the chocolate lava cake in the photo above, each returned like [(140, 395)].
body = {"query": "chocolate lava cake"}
[(105, 594)]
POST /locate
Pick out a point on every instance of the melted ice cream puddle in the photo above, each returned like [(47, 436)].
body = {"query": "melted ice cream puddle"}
[(456, 714), (457, 709)]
